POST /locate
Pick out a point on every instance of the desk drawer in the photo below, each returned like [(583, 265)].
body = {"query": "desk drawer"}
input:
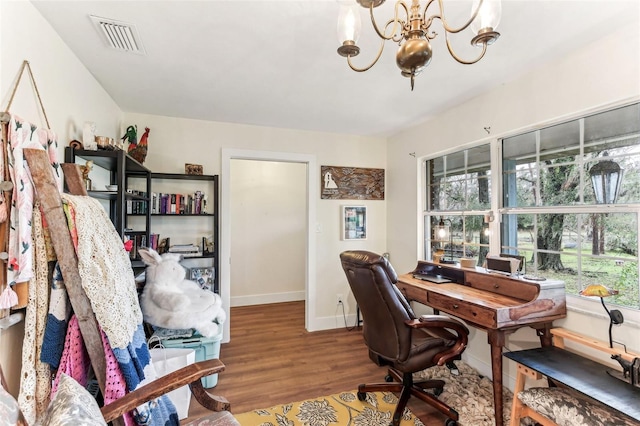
[(505, 286), (474, 313), (413, 293)]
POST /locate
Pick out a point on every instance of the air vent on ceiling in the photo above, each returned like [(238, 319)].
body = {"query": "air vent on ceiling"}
[(119, 35)]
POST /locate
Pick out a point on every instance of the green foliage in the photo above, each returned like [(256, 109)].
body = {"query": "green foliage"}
[(628, 286)]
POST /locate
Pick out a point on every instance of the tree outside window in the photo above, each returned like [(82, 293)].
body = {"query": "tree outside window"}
[(552, 214)]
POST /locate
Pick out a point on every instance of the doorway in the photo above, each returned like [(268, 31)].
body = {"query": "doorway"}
[(252, 267), (268, 209)]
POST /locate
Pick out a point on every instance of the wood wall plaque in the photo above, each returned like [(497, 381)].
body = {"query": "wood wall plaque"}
[(351, 183)]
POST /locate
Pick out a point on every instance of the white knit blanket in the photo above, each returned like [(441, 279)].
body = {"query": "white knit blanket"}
[(105, 269)]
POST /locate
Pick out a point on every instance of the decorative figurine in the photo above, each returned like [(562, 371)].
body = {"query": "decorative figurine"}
[(88, 166), (139, 151), (89, 136), (131, 136)]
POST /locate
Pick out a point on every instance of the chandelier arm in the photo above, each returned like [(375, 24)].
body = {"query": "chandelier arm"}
[(462, 61), (446, 26), (426, 22), (426, 7), (375, 60), (396, 38), (395, 21)]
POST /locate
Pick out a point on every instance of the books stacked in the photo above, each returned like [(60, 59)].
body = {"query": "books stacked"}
[(139, 240), (136, 205), (185, 249), (178, 203)]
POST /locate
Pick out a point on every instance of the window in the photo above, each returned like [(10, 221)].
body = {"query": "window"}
[(458, 196), (571, 198), (569, 202)]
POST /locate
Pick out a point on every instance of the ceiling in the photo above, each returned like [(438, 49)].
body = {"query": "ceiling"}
[(274, 62)]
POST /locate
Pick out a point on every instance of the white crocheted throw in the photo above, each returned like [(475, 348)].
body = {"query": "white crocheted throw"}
[(106, 272)]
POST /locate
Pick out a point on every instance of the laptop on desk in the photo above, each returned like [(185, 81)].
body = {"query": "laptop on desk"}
[(437, 279)]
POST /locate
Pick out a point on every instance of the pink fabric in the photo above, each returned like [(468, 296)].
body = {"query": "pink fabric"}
[(115, 386), (21, 135), (75, 363), (75, 359)]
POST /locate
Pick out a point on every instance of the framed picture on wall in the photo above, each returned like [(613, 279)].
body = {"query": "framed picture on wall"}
[(203, 276), (354, 223)]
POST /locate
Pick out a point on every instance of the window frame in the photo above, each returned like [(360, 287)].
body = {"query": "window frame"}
[(585, 305), (425, 232)]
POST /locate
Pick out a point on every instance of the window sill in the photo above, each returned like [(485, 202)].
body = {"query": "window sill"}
[(593, 308)]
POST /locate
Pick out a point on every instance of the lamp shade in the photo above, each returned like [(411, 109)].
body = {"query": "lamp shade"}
[(441, 232), (488, 16), (598, 290), (349, 23), (606, 177)]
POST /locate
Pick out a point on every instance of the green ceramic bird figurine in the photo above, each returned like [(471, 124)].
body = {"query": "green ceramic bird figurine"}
[(131, 136)]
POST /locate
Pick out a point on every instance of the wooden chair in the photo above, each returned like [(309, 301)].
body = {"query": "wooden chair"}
[(189, 375), (51, 204)]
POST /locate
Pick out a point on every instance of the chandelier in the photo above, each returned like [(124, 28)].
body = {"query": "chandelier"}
[(410, 27)]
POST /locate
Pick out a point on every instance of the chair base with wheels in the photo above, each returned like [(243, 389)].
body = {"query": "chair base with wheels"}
[(407, 387)]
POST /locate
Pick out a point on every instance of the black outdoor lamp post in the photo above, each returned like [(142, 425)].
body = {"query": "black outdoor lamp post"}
[(606, 177), (443, 233)]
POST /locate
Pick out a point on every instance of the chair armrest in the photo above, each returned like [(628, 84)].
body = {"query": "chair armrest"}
[(450, 324), (191, 374)]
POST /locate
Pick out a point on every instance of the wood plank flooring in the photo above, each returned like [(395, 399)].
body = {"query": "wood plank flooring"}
[(271, 359)]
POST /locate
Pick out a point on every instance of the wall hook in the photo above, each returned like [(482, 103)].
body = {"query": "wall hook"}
[(487, 129), (413, 154)]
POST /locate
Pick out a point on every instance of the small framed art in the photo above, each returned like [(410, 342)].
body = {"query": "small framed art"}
[(354, 223), (203, 276)]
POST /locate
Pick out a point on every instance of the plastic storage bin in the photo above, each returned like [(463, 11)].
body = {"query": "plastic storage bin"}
[(205, 347)]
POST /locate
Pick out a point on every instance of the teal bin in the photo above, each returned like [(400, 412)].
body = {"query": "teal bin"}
[(205, 348)]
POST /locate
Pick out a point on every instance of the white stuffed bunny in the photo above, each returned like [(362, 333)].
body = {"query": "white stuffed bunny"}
[(171, 301)]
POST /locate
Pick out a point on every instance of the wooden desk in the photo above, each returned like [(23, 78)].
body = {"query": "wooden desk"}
[(495, 303), (588, 377)]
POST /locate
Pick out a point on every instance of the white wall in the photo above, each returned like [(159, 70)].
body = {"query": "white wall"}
[(268, 231), (604, 73), (175, 141), (70, 95)]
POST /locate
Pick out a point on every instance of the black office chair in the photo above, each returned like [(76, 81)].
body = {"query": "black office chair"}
[(397, 338)]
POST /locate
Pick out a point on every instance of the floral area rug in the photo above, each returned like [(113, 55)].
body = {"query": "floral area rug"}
[(339, 409), (469, 393)]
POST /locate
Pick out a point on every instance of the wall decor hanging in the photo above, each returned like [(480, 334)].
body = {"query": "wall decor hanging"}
[(351, 183), (354, 223)]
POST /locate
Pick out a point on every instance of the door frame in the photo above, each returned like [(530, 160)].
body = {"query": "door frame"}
[(229, 154)]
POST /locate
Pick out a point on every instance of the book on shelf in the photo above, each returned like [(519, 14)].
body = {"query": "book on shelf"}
[(153, 241), (178, 203)]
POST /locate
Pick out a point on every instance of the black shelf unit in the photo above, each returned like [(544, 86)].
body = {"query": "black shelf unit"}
[(121, 168), (212, 180)]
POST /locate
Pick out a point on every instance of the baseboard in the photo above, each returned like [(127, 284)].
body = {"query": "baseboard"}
[(262, 299), (333, 322)]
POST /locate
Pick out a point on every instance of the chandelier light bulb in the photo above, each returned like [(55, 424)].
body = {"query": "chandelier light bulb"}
[(488, 17), (349, 23)]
